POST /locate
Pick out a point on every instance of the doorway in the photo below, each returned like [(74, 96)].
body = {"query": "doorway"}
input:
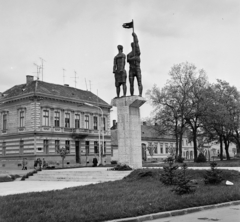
[(77, 152)]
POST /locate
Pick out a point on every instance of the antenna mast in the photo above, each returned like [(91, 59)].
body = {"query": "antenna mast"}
[(86, 84), (75, 77), (63, 75), (38, 70), (42, 66)]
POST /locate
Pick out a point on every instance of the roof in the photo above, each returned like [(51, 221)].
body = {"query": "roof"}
[(150, 132), (53, 90)]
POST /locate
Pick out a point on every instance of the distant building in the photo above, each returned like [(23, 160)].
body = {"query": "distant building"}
[(162, 145), (39, 117)]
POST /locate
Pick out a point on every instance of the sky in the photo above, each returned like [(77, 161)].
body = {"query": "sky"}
[(82, 36)]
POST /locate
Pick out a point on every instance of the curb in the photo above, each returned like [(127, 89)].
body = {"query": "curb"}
[(175, 212)]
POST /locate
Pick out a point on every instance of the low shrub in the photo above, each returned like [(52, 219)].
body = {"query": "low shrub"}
[(121, 167), (213, 176), (201, 158), (180, 159), (183, 185), (113, 162), (169, 175), (5, 178)]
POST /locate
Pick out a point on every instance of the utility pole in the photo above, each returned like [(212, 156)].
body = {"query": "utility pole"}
[(42, 66)]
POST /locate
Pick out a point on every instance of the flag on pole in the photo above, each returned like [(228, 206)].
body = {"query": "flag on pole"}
[(128, 25)]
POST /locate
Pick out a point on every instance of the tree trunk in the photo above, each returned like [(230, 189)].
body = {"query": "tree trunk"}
[(237, 139), (195, 144), (62, 162), (226, 146), (176, 155), (221, 147), (180, 146)]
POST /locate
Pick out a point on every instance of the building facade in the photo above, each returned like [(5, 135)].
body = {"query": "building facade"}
[(157, 147), (38, 117)]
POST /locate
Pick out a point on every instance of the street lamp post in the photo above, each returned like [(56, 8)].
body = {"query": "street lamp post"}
[(99, 132)]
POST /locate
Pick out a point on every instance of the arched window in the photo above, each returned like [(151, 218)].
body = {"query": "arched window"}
[(191, 154), (187, 155)]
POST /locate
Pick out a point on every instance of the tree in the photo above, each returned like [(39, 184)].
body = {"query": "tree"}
[(180, 103), (63, 153), (222, 115)]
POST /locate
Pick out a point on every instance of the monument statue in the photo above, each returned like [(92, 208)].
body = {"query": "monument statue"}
[(119, 71), (133, 58)]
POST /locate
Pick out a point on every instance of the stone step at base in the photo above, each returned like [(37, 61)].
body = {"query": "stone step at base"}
[(80, 176)]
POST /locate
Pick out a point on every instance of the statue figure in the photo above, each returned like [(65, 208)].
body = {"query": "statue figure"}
[(119, 71), (133, 58)]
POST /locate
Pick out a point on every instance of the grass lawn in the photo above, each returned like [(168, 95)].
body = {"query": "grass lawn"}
[(129, 197), (224, 163)]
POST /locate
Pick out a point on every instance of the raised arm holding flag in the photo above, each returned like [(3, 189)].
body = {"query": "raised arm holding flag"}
[(133, 58)]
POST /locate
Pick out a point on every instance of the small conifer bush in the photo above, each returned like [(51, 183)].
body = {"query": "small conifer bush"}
[(213, 176), (169, 174), (183, 185)]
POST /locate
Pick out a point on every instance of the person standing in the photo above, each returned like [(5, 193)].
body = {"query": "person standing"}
[(119, 71), (133, 58)]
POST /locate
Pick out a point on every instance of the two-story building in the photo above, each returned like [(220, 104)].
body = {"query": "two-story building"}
[(37, 118)]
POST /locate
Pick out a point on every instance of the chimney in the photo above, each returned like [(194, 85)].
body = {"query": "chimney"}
[(29, 79), (66, 85)]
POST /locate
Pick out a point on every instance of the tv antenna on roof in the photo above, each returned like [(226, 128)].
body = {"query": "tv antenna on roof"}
[(86, 84), (75, 77), (63, 75), (42, 66), (38, 70)]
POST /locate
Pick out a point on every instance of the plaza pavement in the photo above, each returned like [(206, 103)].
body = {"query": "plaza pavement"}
[(223, 214), (18, 186)]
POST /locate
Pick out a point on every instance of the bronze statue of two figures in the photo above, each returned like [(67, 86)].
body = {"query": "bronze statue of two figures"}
[(133, 58)]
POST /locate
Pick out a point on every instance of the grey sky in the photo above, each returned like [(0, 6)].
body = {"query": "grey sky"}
[(82, 36)]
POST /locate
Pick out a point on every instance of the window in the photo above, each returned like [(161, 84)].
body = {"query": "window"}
[(95, 122), (67, 145), (21, 147), (161, 147), (95, 146), (105, 149), (86, 122), (67, 120), (183, 142), (57, 145), (45, 146), (45, 118), (166, 147), (4, 122), (77, 121), (104, 123), (3, 148), (87, 147), (21, 118), (57, 119)]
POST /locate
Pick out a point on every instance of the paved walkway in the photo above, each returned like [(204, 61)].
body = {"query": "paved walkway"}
[(17, 187), (223, 214)]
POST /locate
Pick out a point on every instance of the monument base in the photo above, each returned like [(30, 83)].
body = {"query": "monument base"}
[(129, 130)]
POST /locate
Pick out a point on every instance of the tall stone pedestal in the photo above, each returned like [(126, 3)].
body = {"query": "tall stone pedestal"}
[(129, 130)]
